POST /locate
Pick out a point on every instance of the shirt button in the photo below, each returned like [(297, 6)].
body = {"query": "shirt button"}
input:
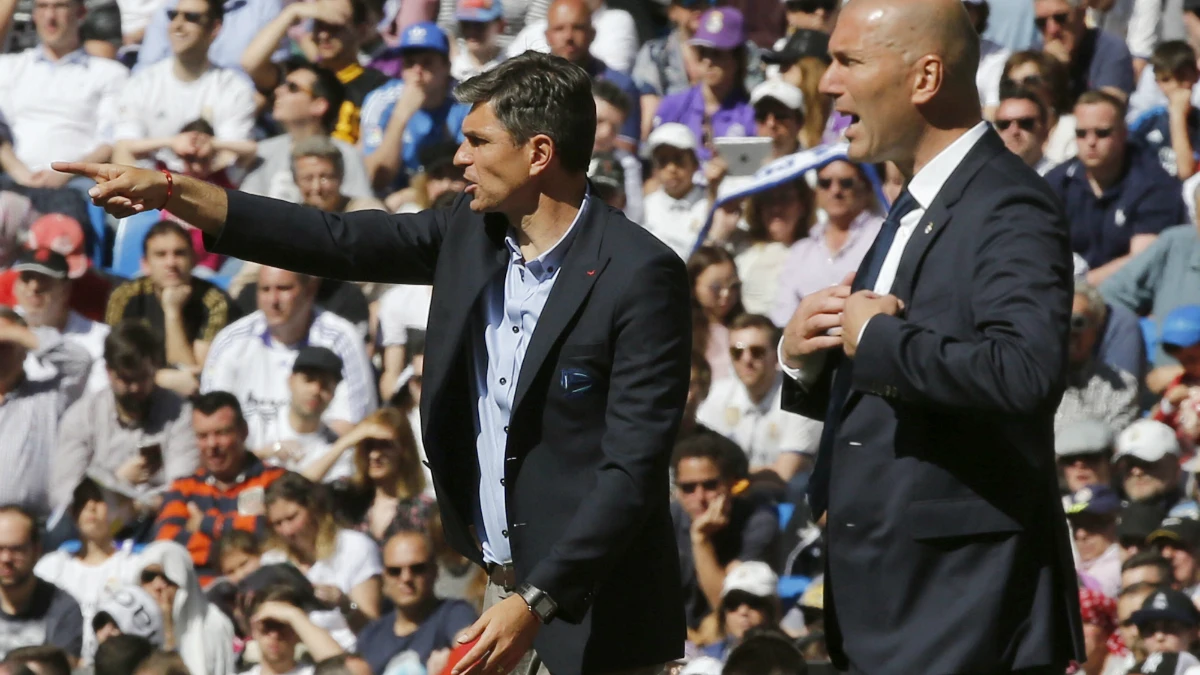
[(503, 381), (505, 533), (516, 330)]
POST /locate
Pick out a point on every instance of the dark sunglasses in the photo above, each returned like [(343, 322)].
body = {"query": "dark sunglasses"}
[(1164, 626), (1060, 19), (811, 6), (844, 183), (757, 352), (708, 485), (417, 570), (1023, 123), (761, 113), (190, 17), (1086, 457), (736, 599), (1103, 132), (148, 576)]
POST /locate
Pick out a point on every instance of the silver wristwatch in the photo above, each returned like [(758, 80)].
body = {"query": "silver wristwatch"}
[(542, 606)]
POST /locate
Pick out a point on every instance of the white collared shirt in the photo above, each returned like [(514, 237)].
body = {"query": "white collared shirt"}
[(59, 110), (924, 187), (763, 430)]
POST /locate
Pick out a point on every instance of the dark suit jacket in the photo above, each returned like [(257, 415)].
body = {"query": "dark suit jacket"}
[(586, 472), (947, 544)]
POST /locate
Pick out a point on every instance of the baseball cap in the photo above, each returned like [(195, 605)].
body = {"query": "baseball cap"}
[(133, 610), (1181, 327), (720, 28), (321, 359), (753, 577), (424, 35), (1099, 500), (43, 261), (479, 11), (787, 94), (1147, 440), (1183, 531), (1168, 604), (673, 134), (1083, 437), (63, 235), (1138, 520), (606, 171), (803, 42)]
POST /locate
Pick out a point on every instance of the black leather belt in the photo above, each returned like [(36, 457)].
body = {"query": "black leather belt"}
[(504, 576)]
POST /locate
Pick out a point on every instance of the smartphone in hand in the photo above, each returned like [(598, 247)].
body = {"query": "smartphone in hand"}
[(152, 454)]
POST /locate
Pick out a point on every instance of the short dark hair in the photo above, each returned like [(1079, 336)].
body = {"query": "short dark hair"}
[(130, 343), (235, 540), (1172, 57), (1150, 558), (1023, 94), (166, 227), (215, 11), (730, 459), (88, 490), (122, 654), (326, 86), (35, 533), (611, 94), (536, 93), (200, 125), (212, 402), (756, 321), (163, 663), (1098, 97), (281, 592), (51, 660), (765, 651)]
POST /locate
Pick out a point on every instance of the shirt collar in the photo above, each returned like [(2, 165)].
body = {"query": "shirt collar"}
[(252, 468), (929, 181), (264, 333), (78, 56), (550, 260), (742, 397)]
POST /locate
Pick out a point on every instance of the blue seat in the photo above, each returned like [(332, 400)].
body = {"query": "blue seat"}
[(98, 220), (127, 252), (791, 588), (784, 511), (1150, 337)]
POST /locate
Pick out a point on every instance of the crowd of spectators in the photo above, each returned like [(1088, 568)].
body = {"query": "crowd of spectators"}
[(216, 467)]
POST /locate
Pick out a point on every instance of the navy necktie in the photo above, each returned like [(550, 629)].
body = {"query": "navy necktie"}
[(839, 391)]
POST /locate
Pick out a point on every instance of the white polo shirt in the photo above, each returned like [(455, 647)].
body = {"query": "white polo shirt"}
[(677, 222), (59, 110), (762, 429), (246, 362), (157, 104)]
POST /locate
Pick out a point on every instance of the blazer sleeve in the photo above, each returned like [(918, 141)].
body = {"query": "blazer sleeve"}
[(359, 246), (1015, 361), (648, 389)]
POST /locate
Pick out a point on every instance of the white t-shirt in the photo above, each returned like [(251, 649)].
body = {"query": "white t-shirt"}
[(763, 430), (463, 67), (312, 447), (403, 308), (298, 670), (616, 42), (677, 222), (157, 104), (88, 583), (87, 334), (246, 362)]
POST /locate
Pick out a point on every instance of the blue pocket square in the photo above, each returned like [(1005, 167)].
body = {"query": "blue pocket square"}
[(576, 382)]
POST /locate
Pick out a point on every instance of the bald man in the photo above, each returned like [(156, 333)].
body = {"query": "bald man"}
[(937, 369)]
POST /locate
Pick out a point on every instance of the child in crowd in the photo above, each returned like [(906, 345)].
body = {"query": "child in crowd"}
[(1172, 132), (677, 210), (1180, 405), (612, 108)]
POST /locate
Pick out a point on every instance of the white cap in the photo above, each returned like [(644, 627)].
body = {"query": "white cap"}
[(673, 134), (1148, 441), (1081, 267), (134, 611), (702, 665), (753, 577), (787, 94)]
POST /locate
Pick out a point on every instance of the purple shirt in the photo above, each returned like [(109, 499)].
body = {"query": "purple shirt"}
[(811, 266), (735, 117)]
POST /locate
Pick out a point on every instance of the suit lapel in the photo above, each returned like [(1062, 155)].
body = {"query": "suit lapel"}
[(580, 269)]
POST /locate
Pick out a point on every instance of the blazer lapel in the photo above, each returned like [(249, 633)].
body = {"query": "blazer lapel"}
[(580, 269)]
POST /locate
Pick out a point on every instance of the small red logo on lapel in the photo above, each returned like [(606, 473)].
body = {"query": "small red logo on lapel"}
[(591, 272)]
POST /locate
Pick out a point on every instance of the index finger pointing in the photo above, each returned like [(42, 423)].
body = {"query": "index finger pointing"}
[(89, 169)]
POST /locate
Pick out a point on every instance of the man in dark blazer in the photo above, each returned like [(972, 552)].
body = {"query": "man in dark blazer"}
[(556, 367), (937, 370)]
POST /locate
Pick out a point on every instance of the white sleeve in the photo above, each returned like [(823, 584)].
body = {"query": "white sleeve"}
[(236, 118), (130, 123), (107, 110), (220, 368), (361, 555), (393, 330), (1142, 36), (621, 40), (801, 434), (806, 375), (709, 414), (354, 397)]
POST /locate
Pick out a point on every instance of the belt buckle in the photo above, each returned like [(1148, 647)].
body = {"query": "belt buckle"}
[(504, 576)]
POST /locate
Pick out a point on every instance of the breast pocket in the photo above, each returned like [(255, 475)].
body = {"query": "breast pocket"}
[(583, 371)]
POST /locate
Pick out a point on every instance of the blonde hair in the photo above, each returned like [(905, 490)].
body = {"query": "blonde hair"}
[(411, 481), (313, 498), (817, 107)]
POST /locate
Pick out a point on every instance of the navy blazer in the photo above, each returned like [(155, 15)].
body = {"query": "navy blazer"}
[(947, 544), (586, 468)]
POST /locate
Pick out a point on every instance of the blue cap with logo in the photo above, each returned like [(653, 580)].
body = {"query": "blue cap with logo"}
[(479, 11), (424, 35), (1099, 500), (1181, 328)]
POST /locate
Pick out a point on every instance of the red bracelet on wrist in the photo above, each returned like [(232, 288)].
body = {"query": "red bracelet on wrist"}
[(170, 187)]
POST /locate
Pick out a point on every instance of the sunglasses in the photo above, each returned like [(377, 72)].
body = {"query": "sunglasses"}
[(1060, 19), (148, 576), (1103, 132), (417, 570), (780, 113), (1167, 626), (1086, 457), (190, 17), (844, 183), (811, 6), (1023, 123), (757, 352), (708, 485), (735, 600)]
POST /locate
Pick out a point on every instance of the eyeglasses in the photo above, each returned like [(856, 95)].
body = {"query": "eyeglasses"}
[(708, 485), (811, 6), (1101, 132), (1023, 123), (295, 88), (757, 352), (148, 576), (417, 570), (190, 17), (721, 289), (844, 183), (1059, 18)]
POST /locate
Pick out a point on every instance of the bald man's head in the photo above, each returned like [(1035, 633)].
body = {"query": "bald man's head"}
[(902, 67), (569, 29)]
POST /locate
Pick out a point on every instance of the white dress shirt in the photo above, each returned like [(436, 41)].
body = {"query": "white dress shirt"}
[(924, 187)]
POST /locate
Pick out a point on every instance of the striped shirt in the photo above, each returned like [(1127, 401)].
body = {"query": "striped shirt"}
[(29, 421), (247, 363), (241, 506)]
